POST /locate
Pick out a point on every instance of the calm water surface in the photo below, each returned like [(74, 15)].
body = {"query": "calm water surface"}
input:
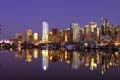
[(37, 64)]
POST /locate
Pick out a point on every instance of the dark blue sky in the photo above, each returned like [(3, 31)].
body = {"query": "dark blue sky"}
[(18, 15)]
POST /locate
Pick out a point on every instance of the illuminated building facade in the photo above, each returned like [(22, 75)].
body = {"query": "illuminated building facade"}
[(105, 26), (66, 34), (45, 31), (75, 32), (82, 34), (50, 36), (92, 26), (29, 35), (87, 35), (55, 32), (20, 37), (35, 37)]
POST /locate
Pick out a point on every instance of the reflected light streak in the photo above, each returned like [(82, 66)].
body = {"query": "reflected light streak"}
[(35, 52), (44, 59), (29, 56)]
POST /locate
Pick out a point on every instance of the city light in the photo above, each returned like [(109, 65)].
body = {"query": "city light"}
[(86, 44), (35, 36)]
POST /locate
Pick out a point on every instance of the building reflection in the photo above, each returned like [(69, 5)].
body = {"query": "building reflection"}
[(75, 60), (35, 53), (28, 55), (19, 53), (90, 59), (45, 59)]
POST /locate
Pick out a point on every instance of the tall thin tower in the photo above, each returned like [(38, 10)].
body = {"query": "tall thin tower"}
[(44, 31)]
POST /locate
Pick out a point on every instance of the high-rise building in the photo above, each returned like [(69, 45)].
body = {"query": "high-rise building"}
[(20, 37), (75, 31), (105, 26), (50, 36), (55, 32), (61, 35), (92, 26), (87, 34), (97, 34), (29, 35), (44, 31), (81, 34), (116, 35), (66, 35), (35, 37)]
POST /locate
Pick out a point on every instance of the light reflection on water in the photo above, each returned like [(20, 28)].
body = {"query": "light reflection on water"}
[(92, 60), (89, 59)]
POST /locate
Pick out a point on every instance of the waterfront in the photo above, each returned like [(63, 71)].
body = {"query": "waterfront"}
[(34, 64)]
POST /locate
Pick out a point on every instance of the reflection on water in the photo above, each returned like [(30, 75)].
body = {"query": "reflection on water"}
[(91, 59), (45, 59)]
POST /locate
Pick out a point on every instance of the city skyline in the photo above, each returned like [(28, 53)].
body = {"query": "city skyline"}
[(6, 36), (59, 39)]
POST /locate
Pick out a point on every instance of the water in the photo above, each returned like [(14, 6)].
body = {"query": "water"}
[(37, 64)]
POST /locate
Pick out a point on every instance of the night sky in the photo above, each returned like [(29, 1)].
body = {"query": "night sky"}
[(19, 15)]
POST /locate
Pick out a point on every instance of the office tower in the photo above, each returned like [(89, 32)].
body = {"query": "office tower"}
[(92, 26), (45, 59), (55, 32), (87, 34), (20, 37), (29, 35), (105, 26), (61, 35), (35, 37), (66, 34), (98, 32), (93, 30), (116, 35), (45, 32), (81, 34), (50, 36), (75, 30)]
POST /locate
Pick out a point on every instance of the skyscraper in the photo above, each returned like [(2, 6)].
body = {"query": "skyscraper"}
[(75, 31), (44, 31), (35, 37), (55, 32), (20, 37), (87, 33), (92, 26), (105, 26), (29, 35)]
